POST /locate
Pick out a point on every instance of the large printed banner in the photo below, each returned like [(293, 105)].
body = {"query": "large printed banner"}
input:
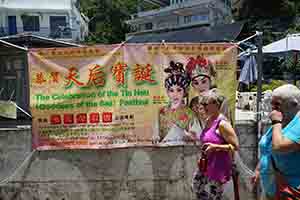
[(125, 95)]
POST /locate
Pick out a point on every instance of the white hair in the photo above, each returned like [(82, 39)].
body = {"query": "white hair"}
[(289, 93), (290, 96)]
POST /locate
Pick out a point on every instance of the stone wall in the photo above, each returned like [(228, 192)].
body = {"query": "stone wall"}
[(117, 174)]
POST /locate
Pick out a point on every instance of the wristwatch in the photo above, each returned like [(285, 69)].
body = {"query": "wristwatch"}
[(276, 122)]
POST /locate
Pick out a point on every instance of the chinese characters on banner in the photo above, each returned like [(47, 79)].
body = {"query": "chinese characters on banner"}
[(117, 95)]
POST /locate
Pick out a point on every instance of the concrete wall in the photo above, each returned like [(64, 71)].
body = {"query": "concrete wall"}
[(118, 174)]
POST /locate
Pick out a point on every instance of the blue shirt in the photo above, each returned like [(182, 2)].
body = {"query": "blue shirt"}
[(287, 163)]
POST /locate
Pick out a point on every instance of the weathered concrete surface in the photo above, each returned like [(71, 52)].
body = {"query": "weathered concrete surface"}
[(118, 174)]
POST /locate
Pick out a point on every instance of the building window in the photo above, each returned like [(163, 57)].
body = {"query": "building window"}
[(31, 23), (140, 27), (59, 27), (148, 26), (162, 24), (175, 2), (187, 19), (195, 18)]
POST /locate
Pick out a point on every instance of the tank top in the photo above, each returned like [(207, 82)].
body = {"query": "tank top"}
[(219, 163)]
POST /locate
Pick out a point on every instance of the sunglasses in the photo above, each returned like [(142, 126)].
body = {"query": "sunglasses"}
[(206, 104), (276, 103)]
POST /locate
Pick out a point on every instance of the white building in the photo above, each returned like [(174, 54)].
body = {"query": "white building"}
[(59, 19), (174, 14)]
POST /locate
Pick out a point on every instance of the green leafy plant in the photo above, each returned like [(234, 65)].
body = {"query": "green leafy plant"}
[(269, 86)]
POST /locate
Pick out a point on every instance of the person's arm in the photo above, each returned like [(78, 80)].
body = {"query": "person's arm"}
[(190, 136), (225, 110), (228, 133), (190, 133), (279, 142)]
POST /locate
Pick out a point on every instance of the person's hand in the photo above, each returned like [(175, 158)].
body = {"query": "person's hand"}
[(170, 123), (276, 115), (209, 147), (255, 179), (155, 139), (189, 135)]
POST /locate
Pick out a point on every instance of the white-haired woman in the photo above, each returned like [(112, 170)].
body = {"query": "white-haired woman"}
[(280, 145)]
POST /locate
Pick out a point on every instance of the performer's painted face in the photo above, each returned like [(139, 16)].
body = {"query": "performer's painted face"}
[(201, 84), (175, 94)]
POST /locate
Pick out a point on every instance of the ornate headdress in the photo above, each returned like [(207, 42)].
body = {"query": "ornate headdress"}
[(200, 67), (177, 76)]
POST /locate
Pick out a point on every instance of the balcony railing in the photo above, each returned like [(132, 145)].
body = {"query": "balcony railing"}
[(185, 4), (61, 32)]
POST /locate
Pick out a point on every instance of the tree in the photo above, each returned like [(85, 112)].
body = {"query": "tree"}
[(259, 9), (275, 19), (108, 19)]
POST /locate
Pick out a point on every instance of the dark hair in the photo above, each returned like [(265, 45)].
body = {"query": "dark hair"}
[(177, 76), (177, 79)]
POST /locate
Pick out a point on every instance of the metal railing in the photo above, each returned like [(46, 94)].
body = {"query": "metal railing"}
[(61, 32)]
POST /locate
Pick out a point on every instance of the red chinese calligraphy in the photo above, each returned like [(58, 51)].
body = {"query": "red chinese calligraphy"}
[(72, 78), (94, 118), (81, 118), (96, 76), (143, 73), (119, 71), (106, 117), (68, 118), (55, 77), (40, 78), (55, 119)]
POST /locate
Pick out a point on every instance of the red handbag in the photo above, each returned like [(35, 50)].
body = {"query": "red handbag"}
[(283, 190), (202, 162)]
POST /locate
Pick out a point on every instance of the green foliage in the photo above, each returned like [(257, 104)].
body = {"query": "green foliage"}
[(291, 63), (270, 86), (294, 28), (275, 18), (267, 9), (108, 19)]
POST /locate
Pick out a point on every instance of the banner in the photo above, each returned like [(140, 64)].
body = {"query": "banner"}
[(110, 96)]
